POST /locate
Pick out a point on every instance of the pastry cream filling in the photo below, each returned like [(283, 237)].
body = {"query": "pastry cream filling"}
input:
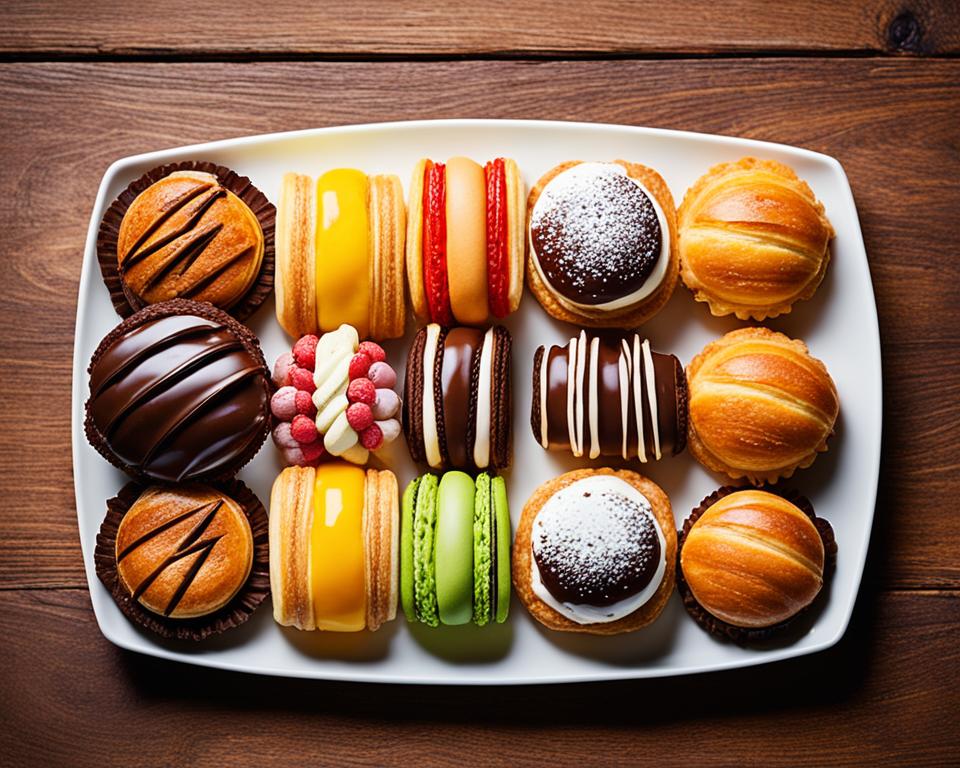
[(336, 548), (572, 497), (431, 435), (571, 176), (343, 250)]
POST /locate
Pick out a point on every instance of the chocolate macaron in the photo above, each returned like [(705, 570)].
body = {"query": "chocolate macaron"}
[(456, 403), (609, 394), (178, 391)]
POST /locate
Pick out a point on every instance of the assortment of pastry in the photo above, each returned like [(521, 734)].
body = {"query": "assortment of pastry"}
[(180, 398)]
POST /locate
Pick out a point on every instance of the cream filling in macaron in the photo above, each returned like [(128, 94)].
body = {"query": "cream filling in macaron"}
[(577, 174), (431, 436), (566, 509), (481, 446)]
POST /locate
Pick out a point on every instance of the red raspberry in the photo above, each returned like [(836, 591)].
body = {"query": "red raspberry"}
[(305, 351), (304, 403), (312, 451), (359, 365), (359, 416), (372, 350), (371, 438), (302, 379), (303, 429), (361, 391)]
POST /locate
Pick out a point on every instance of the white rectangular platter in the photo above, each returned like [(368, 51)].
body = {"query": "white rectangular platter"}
[(839, 324)]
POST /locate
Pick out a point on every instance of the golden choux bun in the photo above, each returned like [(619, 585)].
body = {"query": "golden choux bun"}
[(753, 239), (759, 405), (753, 559)]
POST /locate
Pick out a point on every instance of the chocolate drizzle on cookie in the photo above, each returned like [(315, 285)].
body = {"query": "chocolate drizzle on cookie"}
[(595, 234)]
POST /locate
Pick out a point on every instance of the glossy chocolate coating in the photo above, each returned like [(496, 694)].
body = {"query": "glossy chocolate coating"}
[(178, 398), (669, 410), (605, 570), (597, 238), (461, 346)]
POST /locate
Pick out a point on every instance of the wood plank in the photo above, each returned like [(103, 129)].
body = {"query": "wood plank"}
[(894, 124), (543, 27), (68, 696)]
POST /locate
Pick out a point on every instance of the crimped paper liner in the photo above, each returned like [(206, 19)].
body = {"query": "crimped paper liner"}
[(740, 635), (234, 613), (125, 302), (166, 309)]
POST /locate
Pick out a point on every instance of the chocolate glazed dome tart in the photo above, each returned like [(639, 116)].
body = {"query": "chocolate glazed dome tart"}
[(189, 230), (752, 561), (603, 243), (178, 392), (185, 561)]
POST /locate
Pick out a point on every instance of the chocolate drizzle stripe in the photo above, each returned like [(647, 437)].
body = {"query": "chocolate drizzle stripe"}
[(187, 580), (205, 280), (126, 363), (170, 560), (169, 380), (183, 252), (134, 254), (160, 529), (199, 466), (624, 365), (215, 392), (200, 527)]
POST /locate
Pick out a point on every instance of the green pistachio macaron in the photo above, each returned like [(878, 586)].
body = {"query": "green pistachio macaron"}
[(455, 550)]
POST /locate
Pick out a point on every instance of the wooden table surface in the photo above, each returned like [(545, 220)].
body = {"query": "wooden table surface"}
[(874, 83)]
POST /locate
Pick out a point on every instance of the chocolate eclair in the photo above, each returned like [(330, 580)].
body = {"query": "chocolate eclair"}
[(191, 230), (609, 394), (186, 560), (456, 402), (602, 243), (595, 552), (178, 391)]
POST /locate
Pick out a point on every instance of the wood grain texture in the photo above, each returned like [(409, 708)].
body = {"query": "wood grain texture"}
[(895, 126), (68, 697), (368, 28)]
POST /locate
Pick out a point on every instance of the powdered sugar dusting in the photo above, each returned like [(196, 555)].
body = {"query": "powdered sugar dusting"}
[(596, 542), (596, 233)]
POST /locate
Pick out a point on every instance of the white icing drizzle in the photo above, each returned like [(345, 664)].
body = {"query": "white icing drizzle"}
[(566, 507), (431, 436), (571, 394), (593, 404), (544, 427), (481, 446), (638, 400), (579, 418), (571, 175), (624, 369), (652, 395)]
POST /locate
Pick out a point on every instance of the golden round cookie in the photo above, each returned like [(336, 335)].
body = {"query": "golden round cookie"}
[(759, 406), (626, 317), (753, 239), (522, 559)]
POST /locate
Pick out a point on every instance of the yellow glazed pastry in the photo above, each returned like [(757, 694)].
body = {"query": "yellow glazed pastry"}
[(334, 542), (343, 252), (340, 254)]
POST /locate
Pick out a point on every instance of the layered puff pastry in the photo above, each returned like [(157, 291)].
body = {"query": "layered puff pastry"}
[(760, 406), (753, 239)]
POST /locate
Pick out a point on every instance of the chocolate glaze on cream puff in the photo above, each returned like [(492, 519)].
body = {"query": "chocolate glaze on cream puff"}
[(602, 243), (340, 254), (456, 402), (609, 395), (465, 241)]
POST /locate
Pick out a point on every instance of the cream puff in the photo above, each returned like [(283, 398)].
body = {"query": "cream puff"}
[(603, 250), (465, 241), (340, 254)]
